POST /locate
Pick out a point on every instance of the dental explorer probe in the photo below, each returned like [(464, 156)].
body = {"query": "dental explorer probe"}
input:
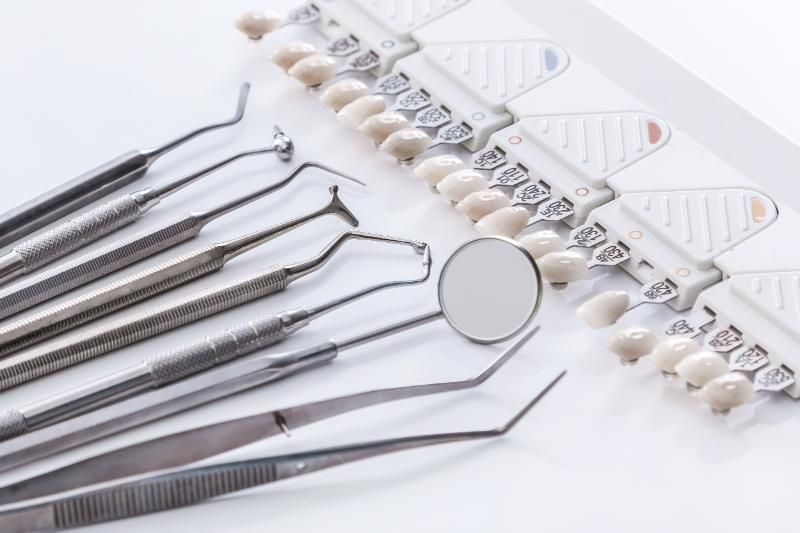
[(214, 350), (96, 183), (85, 345), (96, 264), (150, 282), (81, 231), (186, 447), (181, 487)]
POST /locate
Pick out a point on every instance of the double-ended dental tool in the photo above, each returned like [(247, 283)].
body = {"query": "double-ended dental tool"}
[(107, 259), (113, 215), (97, 183), (150, 282), (85, 345), (117, 495), (169, 367), (483, 309)]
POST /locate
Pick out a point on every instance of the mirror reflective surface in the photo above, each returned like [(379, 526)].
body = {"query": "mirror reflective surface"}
[(490, 289)]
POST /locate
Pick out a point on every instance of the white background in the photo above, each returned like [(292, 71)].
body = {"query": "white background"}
[(611, 449)]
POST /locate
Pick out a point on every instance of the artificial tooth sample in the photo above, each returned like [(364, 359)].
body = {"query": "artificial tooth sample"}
[(725, 392), (434, 169), (478, 204), (343, 92), (506, 222), (457, 185), (256, 24), (632, 343), (672, 351), (356, 112), (406, 144), (314, 70), (563, 267), (286, 55), (541, 243), (701, 367), (379, 127), (604, 309)]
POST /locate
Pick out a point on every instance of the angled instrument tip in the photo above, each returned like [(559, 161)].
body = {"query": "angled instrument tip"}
[(337, 207), (329, 169), (513, 422)]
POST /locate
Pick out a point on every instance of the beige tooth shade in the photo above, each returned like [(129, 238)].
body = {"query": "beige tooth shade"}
[(314, 70), (699, 368), (478, 204), (434, 169), (286, 55), (604, 309), (343, 92), (356, 112), (379, 127), (506, 222), (541, 243), (727, 391), (633, 343), (563, 267), (256, 24), (457, 185), (671, 351), (406, 144)]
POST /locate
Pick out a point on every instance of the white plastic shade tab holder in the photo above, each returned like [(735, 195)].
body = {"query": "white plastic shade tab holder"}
[(611, 254), (748, 359), (690, 326), (585, 236), (530, 194), (488, 159), (723, 340), (553, 211), (773, 378), (432, 117), (657, 291), (391, 84)]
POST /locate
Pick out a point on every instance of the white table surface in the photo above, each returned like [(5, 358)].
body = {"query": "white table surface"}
[(610, 449)]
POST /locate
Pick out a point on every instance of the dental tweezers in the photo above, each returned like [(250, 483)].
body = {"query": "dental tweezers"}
[(93, 265), (113, 215), (151, 282), (108, 487), (80, 347), (96, 183)]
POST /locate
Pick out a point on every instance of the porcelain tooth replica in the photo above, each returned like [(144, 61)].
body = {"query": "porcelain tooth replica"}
[(286, 55), (669, 352), (457, 185), (541, 243), (478, 204), (256, 24), (560, 268), (356, 112), (604, 309), (699, 368), (379, 127), (507, 222), (633, 343), (727, 391), (314, 70), (343, 92), (434, 169), (406, 144)]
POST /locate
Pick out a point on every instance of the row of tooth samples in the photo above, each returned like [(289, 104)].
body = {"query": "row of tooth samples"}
[(705, 372)]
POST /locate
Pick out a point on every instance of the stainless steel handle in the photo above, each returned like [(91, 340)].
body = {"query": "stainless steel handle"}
[(78, 232), (92, 343), (215, 350), (91, 266), (72, 195), (120, 294)]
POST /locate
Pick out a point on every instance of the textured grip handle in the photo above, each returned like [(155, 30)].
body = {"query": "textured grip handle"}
[(215, 350), (161, 493), (77, 233), (92, 343), (118, 295), (12, 424), (94, 265)]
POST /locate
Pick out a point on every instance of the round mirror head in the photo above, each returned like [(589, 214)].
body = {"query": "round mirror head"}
[(490, 289)]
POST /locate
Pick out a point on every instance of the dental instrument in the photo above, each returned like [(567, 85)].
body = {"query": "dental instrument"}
[(96, 183), (107, 259), (113, 215), (483, 309)]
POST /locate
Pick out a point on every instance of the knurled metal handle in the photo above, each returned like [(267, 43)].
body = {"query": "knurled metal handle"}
[(91, 266), (215, 350), (77, 232), (161, 493), (12, 424), (92, 343), (92, 305)]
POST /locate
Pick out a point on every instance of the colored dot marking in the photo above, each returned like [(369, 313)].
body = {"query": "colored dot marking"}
[(636, 235), (582, 191), (515, 139), (387, 44), (758, 210), (653, 132), (478, 116), (684, 272)]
